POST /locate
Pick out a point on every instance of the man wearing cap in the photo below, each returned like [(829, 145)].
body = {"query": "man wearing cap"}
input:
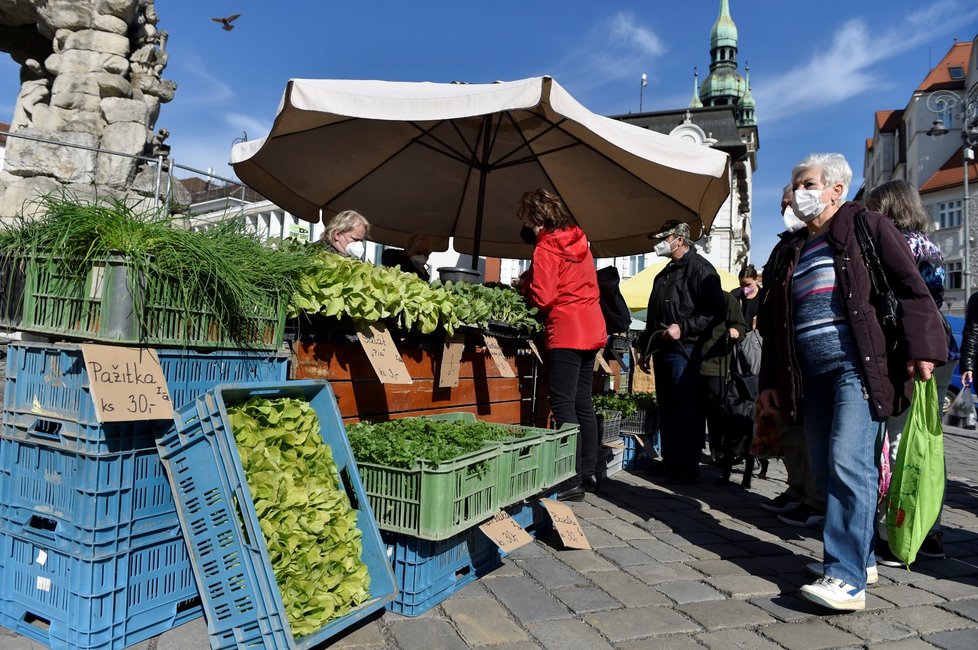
[(685, 304)]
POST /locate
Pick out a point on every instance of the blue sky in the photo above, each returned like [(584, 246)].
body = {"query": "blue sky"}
[(818, 71)]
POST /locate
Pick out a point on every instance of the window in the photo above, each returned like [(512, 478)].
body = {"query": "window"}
[(522, 266), (953, 275), (635, 264), (949, 214), (956, 72)]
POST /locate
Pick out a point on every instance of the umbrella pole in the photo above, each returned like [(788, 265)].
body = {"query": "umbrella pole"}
[(481, 200)]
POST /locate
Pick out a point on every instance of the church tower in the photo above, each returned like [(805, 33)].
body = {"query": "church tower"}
[(724, 86)]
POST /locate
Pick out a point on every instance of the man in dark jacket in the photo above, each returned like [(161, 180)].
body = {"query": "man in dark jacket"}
[(685, 304)]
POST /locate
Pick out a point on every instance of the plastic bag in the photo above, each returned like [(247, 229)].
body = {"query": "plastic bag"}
[(962, 413), (917, 484)]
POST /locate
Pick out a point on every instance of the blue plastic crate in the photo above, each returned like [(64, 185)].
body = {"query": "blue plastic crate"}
[(49, 382), (228, 551), (110, 438), (93, 498), (635, 454), (112, 602)]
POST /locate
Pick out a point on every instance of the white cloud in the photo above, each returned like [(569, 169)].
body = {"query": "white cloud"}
[(848, 66), (624, 28), (200, 87)]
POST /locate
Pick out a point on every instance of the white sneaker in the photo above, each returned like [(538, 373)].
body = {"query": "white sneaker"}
[(817, 570), (834, 594)]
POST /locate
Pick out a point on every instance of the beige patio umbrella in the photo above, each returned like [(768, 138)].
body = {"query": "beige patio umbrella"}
[(454, 159)]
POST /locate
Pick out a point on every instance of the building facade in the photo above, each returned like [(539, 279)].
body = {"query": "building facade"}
[(906, 145)]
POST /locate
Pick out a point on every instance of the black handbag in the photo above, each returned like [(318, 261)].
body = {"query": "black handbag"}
[(881, 296)]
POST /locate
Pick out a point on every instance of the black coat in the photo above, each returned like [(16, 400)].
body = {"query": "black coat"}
[(884, 375), (969, 337), (686, 292)]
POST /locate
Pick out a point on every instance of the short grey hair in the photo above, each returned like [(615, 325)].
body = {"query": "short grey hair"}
[(834, 167), (344, 222)]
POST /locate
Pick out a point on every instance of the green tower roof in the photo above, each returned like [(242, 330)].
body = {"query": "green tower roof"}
[(724, 32)]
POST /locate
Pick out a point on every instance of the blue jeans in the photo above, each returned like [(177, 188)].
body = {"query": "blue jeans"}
[(571, 374), (682, 418), (842, 442)]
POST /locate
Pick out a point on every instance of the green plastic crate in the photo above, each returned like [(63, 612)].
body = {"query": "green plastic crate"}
[(559, 455), (433, 502), (102, 306)]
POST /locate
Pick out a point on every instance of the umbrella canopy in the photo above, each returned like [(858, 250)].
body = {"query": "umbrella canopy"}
[(453, 160), (637, 288)]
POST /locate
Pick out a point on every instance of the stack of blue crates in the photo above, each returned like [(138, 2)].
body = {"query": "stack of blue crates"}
[(91, 551), (427, 572)]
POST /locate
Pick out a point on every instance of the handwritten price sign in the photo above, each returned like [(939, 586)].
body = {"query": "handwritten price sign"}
[(498, 357), (566, 524), (127, 384), (505, 533), (382, 354)]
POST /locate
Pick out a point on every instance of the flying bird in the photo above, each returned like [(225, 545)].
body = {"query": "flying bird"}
[(226, 21)]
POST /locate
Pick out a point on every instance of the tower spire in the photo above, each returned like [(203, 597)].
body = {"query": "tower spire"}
[(695, 101)]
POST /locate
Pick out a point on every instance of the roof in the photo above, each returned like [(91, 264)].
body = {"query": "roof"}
[(716, 121), (888, 121), (951, 173), (869, 144), (939, 78), (3, 138)]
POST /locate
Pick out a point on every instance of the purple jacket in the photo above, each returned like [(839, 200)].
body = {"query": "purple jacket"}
[(884, 376)]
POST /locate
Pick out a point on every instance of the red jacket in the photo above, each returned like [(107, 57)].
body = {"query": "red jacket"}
[(564, 287)]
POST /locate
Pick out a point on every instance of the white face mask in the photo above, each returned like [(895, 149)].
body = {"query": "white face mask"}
[(356, 249), (419, 260), (807, 204), (791, 222), (663, 248)]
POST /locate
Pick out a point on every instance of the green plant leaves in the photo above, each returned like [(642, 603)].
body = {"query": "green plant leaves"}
[(401, 443), (314, 544)]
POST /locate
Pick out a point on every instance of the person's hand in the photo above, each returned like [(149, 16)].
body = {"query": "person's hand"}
[(966, 378), (924, 369), (770, 402), (672, 332), (645, 363), (733, 334)]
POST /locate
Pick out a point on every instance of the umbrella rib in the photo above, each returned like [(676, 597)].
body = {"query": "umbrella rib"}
[(449, 151)]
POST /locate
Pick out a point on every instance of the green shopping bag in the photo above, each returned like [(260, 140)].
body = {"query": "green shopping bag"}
[(917, 486)]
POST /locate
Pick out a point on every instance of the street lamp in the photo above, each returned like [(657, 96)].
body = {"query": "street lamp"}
[(965, 108)]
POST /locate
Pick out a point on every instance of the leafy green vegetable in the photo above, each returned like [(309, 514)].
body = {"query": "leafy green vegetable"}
[(313, 541), (479, 304), (645, 401), (401, 443), (625, 403)]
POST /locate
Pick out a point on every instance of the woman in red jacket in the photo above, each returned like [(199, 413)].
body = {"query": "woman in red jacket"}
[(563, 285)]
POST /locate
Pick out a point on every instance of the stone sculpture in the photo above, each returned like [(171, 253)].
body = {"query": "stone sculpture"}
[(91, 75)]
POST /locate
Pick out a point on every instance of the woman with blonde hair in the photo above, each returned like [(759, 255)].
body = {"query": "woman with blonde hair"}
[(346, 233)]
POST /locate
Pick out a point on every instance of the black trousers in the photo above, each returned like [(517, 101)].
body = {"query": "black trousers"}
[(571, 373)]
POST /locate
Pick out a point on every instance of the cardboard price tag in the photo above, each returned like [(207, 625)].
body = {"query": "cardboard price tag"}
[(451, 361), (383, 355), (127, 384), (498, 357), (535, 350), (505, 532), (566, 524), (599, 359)]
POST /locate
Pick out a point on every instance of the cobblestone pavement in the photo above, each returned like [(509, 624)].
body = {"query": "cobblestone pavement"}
[(694, 567)]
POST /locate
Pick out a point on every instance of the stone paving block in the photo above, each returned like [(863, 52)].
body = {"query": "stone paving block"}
[(622, 529), (526, 600), (600, 538), (952, 568), (624, 514), (906, 644), (640, 622), (520, 645), (906, 595), (551, 572), (687, 539), (968, 608), (660, 551), (583, 600), (362, 637), (415, 634), (714, 568), (957, 640), (873, 628), (527, 551), (567, 635), (740, 586), (725, 614), (668, 642), (624, 555), (902, 576), (809, 635), (627, 590), (732, 638), (432, 612), (482, 622), (685, 524), (471, 591), (963, 588), (788, 607), (928, 619), (689, 591), (585, 561), (587, 511), (509, 569), (189, 635), (777, 549), (656, 574)]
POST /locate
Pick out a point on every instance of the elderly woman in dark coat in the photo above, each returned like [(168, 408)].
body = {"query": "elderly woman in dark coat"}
[(827, 361)]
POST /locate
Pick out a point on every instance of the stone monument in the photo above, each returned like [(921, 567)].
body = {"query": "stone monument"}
[(91, 76)]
